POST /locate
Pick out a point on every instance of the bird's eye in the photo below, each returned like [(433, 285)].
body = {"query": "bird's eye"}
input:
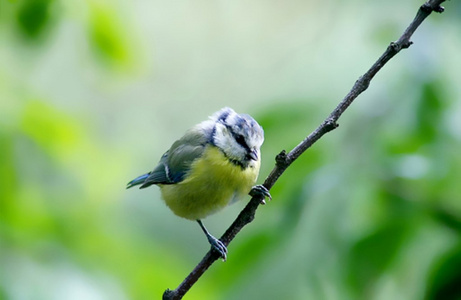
[(241, 140)]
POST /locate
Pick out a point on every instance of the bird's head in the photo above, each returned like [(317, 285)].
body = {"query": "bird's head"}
[(238, 136)]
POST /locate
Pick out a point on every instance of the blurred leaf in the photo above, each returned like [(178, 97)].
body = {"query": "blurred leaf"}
[(429, 112), (7, 174), (289, 122), (108, 35), (33, 17), (285, 126), (444, 281), (371, 256), (50, 128), (248, 252), (419, 122), (293, 209), (449, 218)]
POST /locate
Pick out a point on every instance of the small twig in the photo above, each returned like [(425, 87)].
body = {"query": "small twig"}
[(284, 160)]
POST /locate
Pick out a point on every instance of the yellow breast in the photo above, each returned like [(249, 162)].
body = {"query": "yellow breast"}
[(211, 184)]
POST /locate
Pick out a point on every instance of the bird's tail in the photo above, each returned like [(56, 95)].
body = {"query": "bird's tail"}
[(137, 180)]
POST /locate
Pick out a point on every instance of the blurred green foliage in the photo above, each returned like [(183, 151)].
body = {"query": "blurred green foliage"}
[(108, 35), (33, 17), (371, 211)]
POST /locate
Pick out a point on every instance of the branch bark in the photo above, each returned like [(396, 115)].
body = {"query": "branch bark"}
[(284, 160)]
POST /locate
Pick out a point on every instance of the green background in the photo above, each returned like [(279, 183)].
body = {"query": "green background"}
[(93, 92)]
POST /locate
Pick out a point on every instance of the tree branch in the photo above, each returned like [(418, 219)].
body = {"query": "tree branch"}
[(284, 160)]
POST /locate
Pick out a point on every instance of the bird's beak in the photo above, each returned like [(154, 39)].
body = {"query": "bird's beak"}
[(253, 155)]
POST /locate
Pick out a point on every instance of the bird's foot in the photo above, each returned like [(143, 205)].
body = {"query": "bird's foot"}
[(260, 191), (218, 246)]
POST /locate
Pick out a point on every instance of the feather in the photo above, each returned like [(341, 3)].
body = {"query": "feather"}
[(177, 161), (137, 180)]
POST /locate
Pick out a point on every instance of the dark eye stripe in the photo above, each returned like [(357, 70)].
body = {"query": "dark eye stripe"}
[(240, 139)]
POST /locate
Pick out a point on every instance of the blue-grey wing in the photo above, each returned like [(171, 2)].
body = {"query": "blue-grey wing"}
[(160, 174), (177, 161)]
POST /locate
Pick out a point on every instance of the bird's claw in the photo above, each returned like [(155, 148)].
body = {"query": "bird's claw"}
[(260, 191), (218, 246)]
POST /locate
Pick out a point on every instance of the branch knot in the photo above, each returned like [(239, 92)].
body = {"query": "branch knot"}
[(331, 124), (439, 9), (395, 46), (281, 158), (427, 8)]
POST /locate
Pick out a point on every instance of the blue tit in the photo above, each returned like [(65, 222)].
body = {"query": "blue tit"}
[(214, 164)]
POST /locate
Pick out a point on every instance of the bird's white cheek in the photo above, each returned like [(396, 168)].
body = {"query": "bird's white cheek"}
[(254, 164)]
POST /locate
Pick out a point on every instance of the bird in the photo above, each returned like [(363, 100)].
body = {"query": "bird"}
[(214, 164)]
